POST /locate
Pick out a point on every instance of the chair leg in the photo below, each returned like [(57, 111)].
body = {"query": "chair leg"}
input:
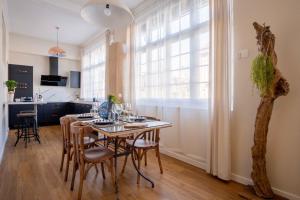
[(62, 159), (18, 137), (124, 164), (96, 168), (103, 172), (67, 165), (145, 159), (139, 165), (82, 166), (75, 167), (112, 171), (159, 161)]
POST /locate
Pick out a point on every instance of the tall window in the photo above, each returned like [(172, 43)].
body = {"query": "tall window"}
[(172, 52), (93, 72)]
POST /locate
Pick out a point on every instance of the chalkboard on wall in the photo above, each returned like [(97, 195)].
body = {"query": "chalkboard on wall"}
[(74, 79)]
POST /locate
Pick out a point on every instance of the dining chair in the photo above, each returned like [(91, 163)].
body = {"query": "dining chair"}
[(67, 143), (85, 158), (148, 140)]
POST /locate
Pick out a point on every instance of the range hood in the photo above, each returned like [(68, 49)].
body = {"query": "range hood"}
[(53, 79)]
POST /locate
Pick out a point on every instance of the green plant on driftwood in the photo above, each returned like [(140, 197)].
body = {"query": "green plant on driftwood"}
[(11, 85), (268, 79), (262, 73)]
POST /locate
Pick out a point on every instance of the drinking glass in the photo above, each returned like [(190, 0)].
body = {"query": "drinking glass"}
[(118, 110)]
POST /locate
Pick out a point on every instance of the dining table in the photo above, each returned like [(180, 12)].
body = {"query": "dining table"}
[(120, 130)]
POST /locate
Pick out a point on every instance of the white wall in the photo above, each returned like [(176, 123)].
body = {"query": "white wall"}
[(36, 46), (3, 75), (41, 67), (283, 150), (187, 139)]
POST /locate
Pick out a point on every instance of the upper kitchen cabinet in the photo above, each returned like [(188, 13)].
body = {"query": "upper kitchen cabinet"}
[(74, 79)]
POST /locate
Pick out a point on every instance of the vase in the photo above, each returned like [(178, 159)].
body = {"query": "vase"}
[(11, 96)]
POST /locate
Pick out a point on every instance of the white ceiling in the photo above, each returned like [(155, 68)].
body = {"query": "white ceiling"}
[(38, 18)]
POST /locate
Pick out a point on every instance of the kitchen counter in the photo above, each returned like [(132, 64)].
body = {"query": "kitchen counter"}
[(48, 112), (82, 102), (27, 103)]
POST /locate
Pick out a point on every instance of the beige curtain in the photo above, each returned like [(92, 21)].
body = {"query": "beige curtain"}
[(107, 64), (117, 67), (219, 160), (128, 69)]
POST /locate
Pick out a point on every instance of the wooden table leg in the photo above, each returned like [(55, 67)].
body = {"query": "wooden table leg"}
[(116, 167)]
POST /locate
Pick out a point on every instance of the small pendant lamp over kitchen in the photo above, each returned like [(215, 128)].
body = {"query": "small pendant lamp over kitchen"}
[(57, 51), (107, 13)]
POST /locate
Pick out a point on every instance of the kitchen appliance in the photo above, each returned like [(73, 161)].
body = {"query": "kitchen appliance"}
[(53, 79), (26, 99)]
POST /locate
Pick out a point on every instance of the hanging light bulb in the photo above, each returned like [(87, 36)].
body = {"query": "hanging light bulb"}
[(107, 10)]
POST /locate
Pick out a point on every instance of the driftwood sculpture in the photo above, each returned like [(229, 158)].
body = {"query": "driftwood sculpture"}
[(278, 87)]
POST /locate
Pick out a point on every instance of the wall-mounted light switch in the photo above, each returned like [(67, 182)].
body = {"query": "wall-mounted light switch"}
[(244, 53)]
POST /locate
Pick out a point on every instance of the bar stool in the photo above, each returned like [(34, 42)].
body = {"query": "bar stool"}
[(26, 127)]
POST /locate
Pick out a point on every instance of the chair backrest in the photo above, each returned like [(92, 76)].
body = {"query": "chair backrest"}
[(65, 122), (151, 135), (78, 131), (151, 118), (65, 129)]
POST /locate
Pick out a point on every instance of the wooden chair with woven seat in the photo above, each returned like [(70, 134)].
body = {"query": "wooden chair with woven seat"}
[(87, 157), (67, 149), (149, 140)]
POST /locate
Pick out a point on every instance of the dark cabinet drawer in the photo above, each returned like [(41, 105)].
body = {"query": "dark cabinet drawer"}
[(49, 114)]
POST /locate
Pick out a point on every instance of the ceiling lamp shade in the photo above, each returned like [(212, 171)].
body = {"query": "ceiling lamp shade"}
[(56, 51), (107, 13)]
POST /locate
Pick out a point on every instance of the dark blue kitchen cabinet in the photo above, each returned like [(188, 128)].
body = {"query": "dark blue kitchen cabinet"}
[(49, 114), (24, 77), (13, 111), (79, 108)]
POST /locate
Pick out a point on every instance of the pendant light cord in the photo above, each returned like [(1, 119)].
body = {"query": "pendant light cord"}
[(57, 28)]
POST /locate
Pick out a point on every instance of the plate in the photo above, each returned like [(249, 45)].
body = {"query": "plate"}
[(103, 122), (85, 117)]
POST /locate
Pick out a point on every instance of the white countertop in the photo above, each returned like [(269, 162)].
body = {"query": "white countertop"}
[(45, 102), (82, 102), (27, 103)]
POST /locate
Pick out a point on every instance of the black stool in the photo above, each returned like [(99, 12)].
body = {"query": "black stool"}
[(27, 127)]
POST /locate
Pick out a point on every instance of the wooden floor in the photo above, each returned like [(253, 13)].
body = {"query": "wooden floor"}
[(33, 173)]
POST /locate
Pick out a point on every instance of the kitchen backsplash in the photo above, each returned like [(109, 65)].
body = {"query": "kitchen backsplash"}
[(57, 94)]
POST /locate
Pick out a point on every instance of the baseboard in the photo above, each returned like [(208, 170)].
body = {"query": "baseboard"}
[(248, 181), (197, 163), (2, 147)]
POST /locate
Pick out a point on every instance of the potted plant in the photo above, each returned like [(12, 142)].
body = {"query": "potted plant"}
[(11, 86)]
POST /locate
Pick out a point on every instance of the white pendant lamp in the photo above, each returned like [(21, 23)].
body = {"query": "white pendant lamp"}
[(107, 13)]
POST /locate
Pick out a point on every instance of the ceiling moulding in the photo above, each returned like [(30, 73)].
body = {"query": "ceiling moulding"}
[(64, 4), (36, 46), (93, 39), (143, 7)]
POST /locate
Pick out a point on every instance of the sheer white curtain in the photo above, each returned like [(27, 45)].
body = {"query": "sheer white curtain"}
[(219, 161), (93, 70), (172, 53), (171, 73)]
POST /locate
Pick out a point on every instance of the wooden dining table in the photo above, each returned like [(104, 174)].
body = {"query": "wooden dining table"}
[(119, 131)]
